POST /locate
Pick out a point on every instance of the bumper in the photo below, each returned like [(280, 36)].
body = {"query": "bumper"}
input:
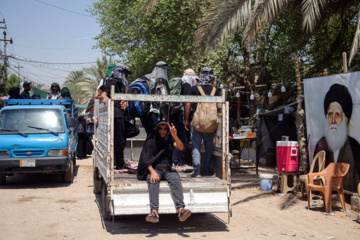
[(42, 164)]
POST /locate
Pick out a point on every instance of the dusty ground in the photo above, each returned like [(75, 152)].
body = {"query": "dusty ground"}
[(41, 207)]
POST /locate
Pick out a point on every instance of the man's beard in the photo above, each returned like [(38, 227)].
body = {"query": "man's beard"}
[(336, 138)]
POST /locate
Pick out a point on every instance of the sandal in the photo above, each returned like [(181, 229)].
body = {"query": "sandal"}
[(184, 214), (152, 217)]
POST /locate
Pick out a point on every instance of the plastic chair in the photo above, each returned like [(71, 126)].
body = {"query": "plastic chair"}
[(320, 158), (333, 174)]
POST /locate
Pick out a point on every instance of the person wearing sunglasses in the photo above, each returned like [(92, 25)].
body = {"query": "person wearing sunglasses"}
[(155, 165)]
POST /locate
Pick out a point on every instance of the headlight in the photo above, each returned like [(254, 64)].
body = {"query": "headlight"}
[(4, 154), (57, 152)]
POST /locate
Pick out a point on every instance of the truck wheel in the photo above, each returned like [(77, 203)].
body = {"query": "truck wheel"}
[(73, 158), (96, 181), (2, 178), (69, 174), (105, 203)]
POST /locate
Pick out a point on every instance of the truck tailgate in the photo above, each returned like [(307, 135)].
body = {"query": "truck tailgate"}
[(206, 194)]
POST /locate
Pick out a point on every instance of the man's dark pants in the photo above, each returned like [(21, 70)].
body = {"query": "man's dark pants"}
[(172, 177), (178, 156), (119, 142), (149, 122)]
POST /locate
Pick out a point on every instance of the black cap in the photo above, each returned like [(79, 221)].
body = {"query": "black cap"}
[(26, 84)]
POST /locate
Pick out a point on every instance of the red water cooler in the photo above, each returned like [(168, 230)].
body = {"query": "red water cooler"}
[(287, 156)]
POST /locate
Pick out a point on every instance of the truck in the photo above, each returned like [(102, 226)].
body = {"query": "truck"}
[(122, 194), (38, 136)]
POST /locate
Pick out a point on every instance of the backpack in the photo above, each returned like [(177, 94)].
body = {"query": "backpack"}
[(136, 108), (175, 89), (205, 116)]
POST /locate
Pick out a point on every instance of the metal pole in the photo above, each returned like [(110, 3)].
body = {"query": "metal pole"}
[(344, 62)]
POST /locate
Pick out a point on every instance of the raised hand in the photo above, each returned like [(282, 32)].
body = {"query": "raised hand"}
[(172, 130)]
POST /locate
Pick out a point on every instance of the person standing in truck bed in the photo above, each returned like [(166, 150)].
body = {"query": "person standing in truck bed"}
[(26, 93), (155, 165), (118, 79)]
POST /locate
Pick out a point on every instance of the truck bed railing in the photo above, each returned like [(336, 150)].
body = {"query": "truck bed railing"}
[(222, 133)]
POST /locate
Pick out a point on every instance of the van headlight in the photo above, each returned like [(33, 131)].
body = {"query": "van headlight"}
[(57, 152), (4, 154)]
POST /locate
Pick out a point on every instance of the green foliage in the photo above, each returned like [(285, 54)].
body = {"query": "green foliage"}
[(12, 81), (327, 46), (142, 38)]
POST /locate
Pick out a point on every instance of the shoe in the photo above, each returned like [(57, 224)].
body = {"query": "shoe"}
[(207, 174), (184, 214), (194, 174), (152, 218)]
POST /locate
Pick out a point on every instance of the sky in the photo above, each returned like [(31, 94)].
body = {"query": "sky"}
[(51, 38)]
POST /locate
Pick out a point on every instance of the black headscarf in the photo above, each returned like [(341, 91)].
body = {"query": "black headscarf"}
[(155, 150), (14, 93)]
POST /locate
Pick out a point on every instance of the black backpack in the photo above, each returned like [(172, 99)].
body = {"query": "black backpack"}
[(138, 108)]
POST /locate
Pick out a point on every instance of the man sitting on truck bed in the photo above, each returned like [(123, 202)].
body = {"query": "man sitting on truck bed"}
[(155, 164)]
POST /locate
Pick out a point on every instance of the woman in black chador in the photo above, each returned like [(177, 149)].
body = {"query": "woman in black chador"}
[(155, 165), (82, 138)]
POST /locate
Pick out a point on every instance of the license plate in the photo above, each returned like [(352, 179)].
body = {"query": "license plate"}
[(27, 163)]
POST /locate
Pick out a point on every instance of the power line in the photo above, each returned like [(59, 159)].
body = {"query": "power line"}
[(64, 9), (52, 47), (35, 61), (53, 39)]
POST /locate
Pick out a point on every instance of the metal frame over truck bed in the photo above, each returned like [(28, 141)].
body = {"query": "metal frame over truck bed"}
[(123, 194)]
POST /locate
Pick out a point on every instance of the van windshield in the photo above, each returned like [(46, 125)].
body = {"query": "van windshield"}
[(27, 121)]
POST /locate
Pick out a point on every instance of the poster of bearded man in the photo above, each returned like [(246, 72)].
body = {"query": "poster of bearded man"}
[(332, 106)]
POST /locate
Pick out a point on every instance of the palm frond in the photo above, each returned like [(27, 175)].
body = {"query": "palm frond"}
[(264, 11), (148, 5), (356, 43), (221, 20), (312, 12)]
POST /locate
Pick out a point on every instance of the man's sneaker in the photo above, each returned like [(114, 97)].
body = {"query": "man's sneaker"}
[(194, 174)]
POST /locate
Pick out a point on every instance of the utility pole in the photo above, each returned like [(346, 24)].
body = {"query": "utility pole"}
[(18, 67), (5, 43)]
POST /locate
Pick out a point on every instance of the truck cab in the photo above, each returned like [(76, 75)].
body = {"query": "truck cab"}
[(38, 136)]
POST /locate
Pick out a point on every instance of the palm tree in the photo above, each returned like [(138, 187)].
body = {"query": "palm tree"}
[(225, 17), (72, 82), (89, 84)]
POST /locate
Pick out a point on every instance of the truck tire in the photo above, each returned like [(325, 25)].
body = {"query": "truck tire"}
[(105, 204), (2, 178), (73, 158), (69, 174), (96, 181)]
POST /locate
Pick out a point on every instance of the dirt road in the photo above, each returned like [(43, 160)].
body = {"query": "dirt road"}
[(42, 207)]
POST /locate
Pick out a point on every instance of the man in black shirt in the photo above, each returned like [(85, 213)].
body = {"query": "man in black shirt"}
[(118, 79), (25, 94), (155, 165), (205, 82)]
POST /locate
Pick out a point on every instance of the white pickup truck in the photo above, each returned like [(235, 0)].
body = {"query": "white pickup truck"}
[(123, 194)]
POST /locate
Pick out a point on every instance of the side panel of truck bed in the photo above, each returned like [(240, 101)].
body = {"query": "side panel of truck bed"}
[(201, 195)]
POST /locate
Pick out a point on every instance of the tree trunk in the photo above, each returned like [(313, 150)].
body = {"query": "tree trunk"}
[(249, 85), (300, 118)]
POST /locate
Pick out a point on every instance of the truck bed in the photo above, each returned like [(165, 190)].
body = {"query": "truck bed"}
[(205, 194)]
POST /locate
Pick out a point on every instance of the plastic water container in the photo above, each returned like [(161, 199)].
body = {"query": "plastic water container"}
[(287, 156), (266, 181)]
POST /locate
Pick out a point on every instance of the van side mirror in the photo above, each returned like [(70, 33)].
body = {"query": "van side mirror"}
[(72, 122)]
